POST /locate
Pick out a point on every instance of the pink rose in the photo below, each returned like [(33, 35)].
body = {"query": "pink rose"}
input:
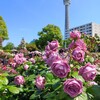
[(53, 45), (32, 60), (19, 80), (39, 82), (60, 68), (19, 58), (44, 57), (20, 55), (13, 64), (4, 68), (13, 71), (75, 34), (80, 43), (72, 45), (26, 67), (37, 53), (78, 54), (73, 87), (52, 58), (88, 72), (48, 53)]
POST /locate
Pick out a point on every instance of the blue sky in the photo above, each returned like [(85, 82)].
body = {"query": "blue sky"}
[(25, 18)]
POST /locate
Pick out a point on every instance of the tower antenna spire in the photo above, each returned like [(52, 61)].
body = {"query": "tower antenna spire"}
[(66, 3)]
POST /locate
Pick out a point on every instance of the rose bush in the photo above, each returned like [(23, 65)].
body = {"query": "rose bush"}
[(68, 74)]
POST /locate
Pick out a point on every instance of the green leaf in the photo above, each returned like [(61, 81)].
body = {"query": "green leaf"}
[(50, 95), (5, 74), (91, 59), (82, 96), (31, 77), (97, 79), (1, 86), (3, 80), (77, 66), (49, 76), (86, 59), (57, 85), (95, 91), (32, 97), (13, 89), (77, 76), (63, 96)]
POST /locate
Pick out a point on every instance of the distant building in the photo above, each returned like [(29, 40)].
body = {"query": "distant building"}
[(89, 29)]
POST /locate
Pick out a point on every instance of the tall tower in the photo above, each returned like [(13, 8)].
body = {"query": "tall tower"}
[(66, 3)]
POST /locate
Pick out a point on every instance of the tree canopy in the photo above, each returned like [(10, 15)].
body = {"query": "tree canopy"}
[(3, 31), (9, 46), (48, 34), (31, 46)]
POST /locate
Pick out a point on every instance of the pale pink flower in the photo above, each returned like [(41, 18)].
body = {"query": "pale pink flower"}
[(19, 80), (40, 82), (32, 60), (80, 43), (26, 67), (75, 34), (53, 45)]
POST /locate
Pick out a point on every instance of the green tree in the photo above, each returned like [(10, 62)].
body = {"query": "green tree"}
[(66, 42), (31, 47), (3, 31), (9, 46), (48, 33)]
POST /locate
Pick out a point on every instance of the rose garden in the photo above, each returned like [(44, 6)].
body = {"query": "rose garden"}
[(53, 73)]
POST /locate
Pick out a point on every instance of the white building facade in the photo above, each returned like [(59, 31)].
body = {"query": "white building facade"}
[(89, 29)]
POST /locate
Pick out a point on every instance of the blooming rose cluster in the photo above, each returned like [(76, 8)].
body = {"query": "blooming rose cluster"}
[(58, 66), (19, 58), (61, 68), (77, 46)]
